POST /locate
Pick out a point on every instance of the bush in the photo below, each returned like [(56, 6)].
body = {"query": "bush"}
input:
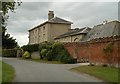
[(49, 55), (26, 55), (65, 57), (57, 48), (9, 52), (55, 52), (43, 53), (60, 53), (44, 45)]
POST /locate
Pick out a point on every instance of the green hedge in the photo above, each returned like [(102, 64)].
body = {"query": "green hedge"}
[(31, 48), (50, 51), (9, 52)]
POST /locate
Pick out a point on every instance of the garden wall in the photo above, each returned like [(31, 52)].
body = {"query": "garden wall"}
[(93, 51), (35, 55)]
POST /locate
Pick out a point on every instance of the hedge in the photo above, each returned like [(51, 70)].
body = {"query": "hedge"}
[(31, 48), (50, 51), (9, 52)]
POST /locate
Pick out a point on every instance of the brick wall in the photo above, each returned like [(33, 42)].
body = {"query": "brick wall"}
[(93, 52)]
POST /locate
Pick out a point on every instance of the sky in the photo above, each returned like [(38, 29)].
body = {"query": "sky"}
[(82, 14)]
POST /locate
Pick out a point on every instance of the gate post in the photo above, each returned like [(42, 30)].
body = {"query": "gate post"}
[(19, 53)]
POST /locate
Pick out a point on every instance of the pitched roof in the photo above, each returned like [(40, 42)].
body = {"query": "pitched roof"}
[(54, 20), (74, 32), (59, 20), (104, 30)]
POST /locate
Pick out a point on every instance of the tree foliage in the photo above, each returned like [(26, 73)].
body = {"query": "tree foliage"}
[(11, 5), (7, 41)]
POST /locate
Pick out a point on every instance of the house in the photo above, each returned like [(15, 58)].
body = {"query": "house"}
[(49, 30), (73, 35)]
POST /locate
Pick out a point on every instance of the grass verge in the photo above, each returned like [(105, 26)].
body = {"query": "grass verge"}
[(43, 61), (7, 72), (108, 74), (0, 71)]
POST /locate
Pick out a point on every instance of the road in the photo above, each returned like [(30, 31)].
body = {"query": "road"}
[(28, 71)]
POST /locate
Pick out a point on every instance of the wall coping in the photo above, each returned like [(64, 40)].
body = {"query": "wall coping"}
[(98, 40)]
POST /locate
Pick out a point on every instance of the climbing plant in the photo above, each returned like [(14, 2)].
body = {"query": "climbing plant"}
[(108, 49)]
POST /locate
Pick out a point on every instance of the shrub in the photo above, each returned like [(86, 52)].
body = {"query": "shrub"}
[(44, 45), (26, 55), (43, 53), (55, 51), (60, 53), (57, 48), (49, 55), (9, 52), (65, 57)]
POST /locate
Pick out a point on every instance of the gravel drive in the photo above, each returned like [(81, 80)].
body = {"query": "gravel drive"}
[(28, 71)]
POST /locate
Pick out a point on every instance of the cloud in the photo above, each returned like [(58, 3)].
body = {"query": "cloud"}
[(82, 14)]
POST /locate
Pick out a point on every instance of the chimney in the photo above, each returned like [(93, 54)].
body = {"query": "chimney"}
[(50, 15), (105, 22)]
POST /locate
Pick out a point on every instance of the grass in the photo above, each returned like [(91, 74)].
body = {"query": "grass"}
[(0, 71), (43, 61), (107, 74), (7, 72)]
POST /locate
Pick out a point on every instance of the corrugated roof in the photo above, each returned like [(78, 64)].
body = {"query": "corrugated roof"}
[(104, 30), (74, 32), (54, 20)]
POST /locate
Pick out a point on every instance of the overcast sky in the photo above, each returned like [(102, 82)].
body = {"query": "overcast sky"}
[(82, 14)]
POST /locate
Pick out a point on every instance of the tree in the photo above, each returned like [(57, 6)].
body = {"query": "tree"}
[(11, 5), (7, 41)]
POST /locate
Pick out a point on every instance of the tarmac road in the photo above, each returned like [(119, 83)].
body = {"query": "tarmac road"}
[(28, 71)]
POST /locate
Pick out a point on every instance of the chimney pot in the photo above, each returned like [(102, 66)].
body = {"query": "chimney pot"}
[(105, 22), (50, 15)]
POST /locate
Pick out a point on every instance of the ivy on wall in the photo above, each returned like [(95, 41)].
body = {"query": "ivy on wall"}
[(108, 49)]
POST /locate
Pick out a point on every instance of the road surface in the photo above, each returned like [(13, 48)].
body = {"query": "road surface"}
[(28, 71)]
